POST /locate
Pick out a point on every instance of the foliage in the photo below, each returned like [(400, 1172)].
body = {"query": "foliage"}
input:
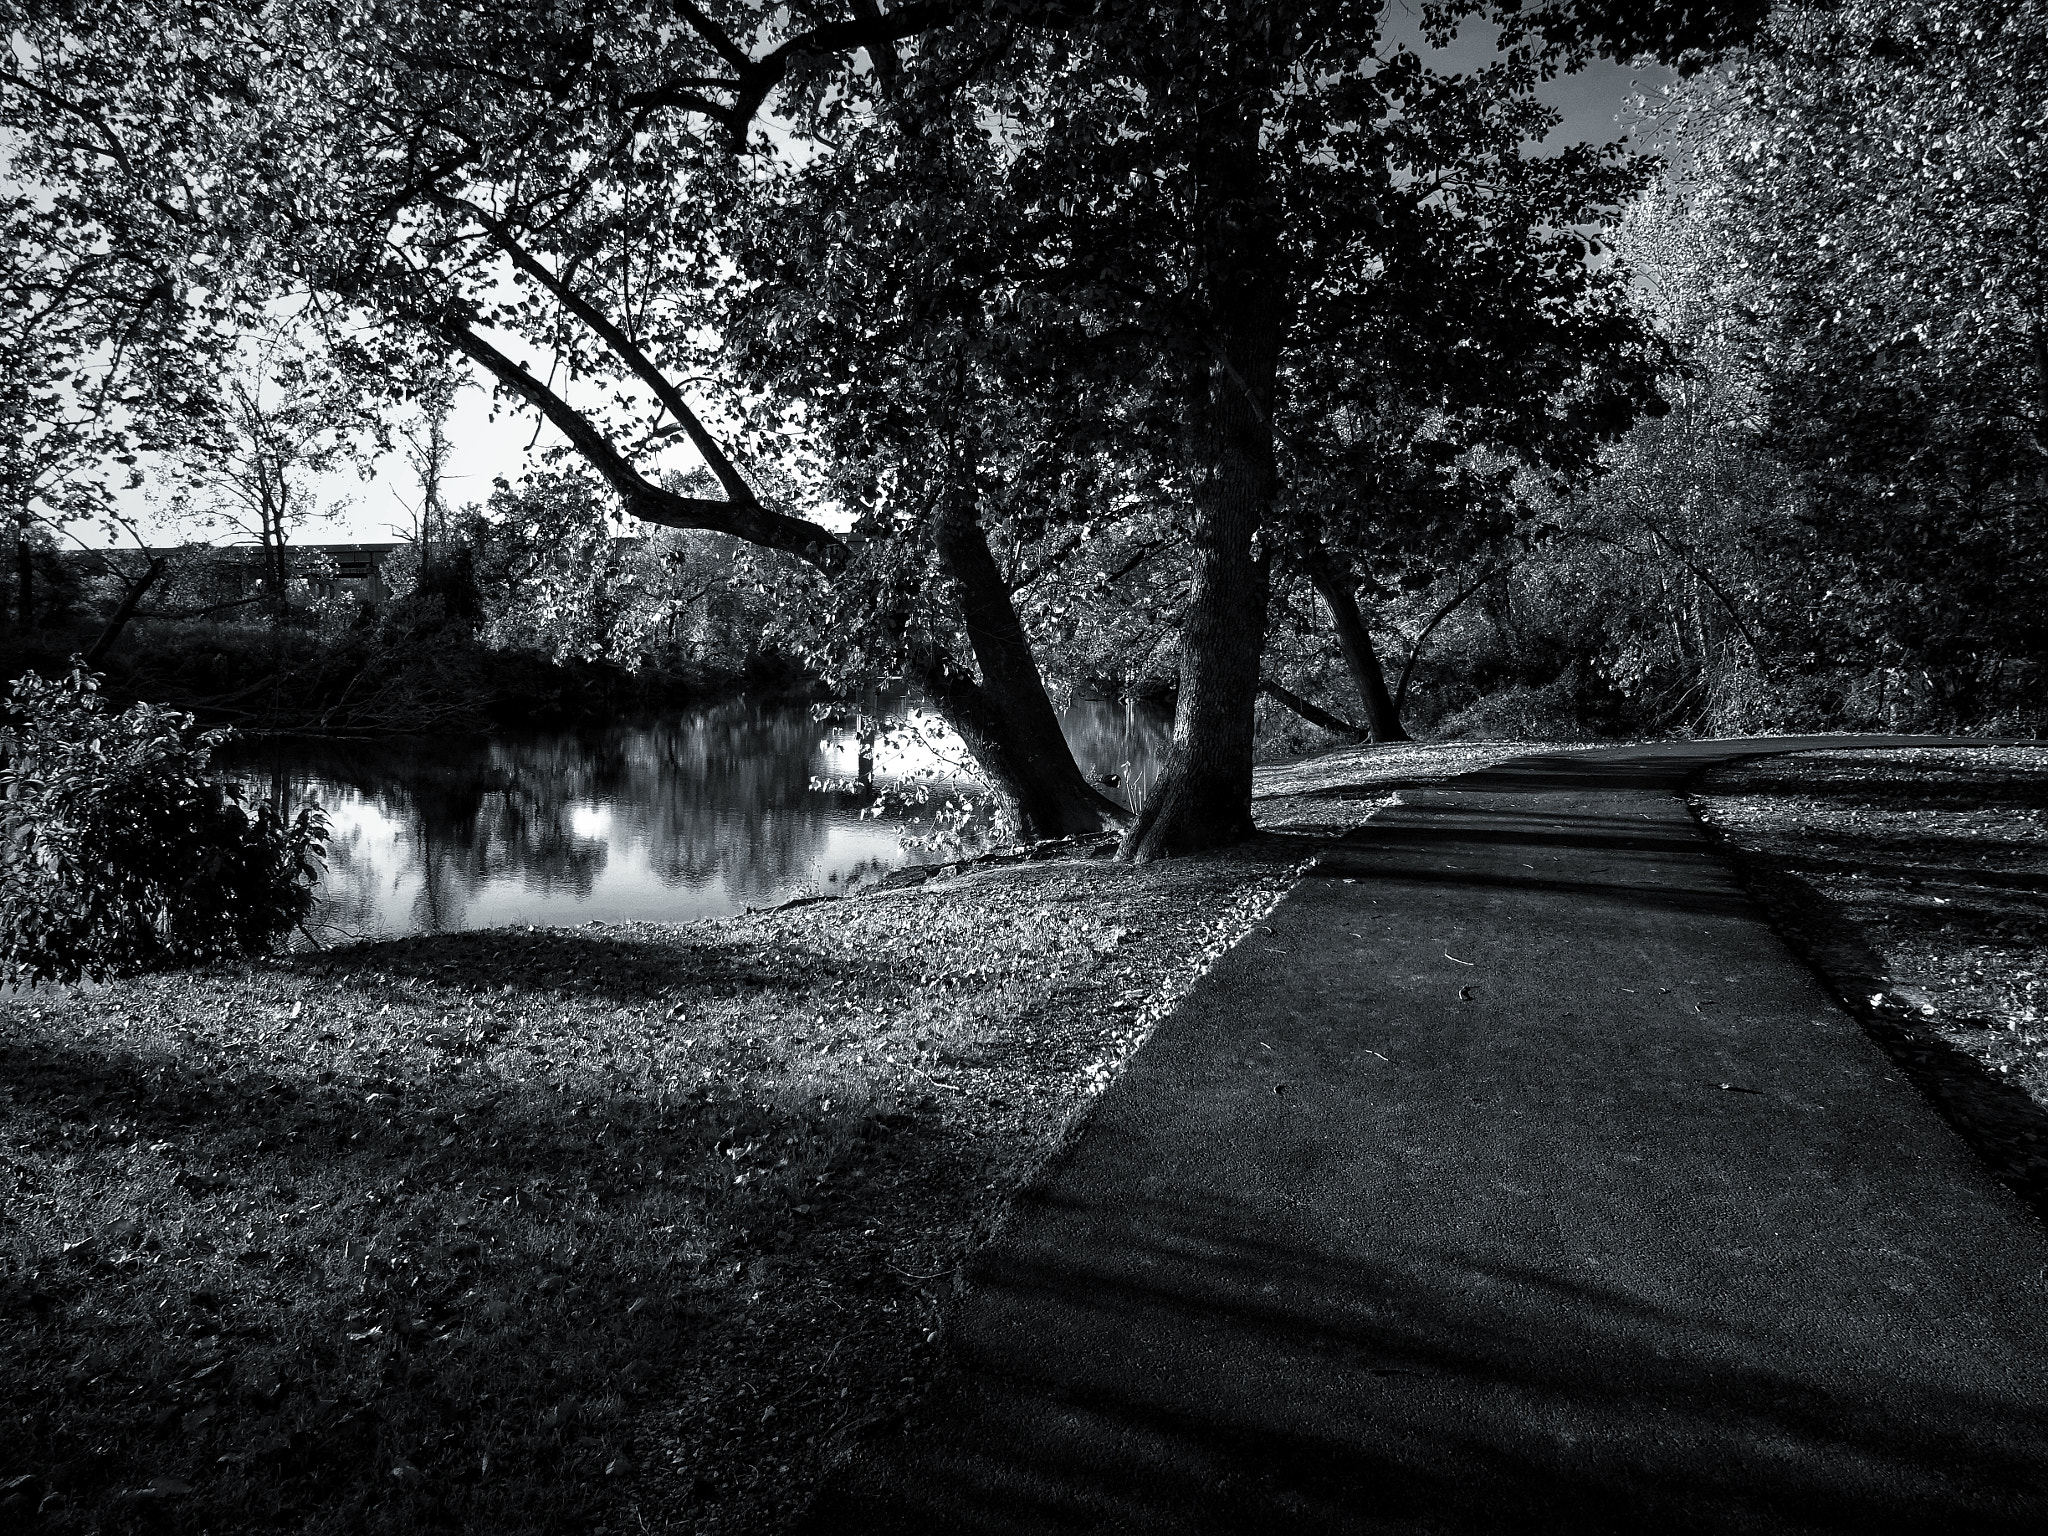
[(101, 363), (122, 855), (1839, 522), (552, 572), (1880, 172)]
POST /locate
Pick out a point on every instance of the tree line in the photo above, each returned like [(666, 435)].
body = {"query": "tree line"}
[(1015, 334)]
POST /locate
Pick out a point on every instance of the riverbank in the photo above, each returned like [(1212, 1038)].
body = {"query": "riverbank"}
[(365, 681), (594, 1229)]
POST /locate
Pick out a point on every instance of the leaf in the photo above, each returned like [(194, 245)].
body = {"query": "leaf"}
[(558, 1415), (265, 1384)]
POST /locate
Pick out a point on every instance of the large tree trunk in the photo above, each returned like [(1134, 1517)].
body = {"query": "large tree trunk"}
[(1007, 720), (1203, 799), (1382, 721), (1022, 809)]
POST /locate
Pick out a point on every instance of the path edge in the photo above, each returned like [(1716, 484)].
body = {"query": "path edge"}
[(1978, 1110)]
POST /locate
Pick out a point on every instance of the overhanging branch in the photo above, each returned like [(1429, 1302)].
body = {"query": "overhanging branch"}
[(647, 501), (622, 345)]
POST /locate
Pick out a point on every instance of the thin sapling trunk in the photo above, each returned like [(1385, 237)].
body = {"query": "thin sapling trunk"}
[(1354, 638)]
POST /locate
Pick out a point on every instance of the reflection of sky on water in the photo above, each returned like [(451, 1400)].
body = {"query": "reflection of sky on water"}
[(694, 816)]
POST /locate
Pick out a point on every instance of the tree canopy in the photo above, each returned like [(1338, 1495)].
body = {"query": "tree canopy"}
[(1880, 173), (1184, 210)]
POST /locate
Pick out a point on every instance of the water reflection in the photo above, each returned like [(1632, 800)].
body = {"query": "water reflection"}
[(1120, 746), (693, 816)]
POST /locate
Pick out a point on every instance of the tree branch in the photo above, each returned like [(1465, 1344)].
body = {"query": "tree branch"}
[(623, 345), (1706, 577), (757, 80), (1314, 714), (1019, 583), (715, 35), (1145, 552), (1442, 613), (644, 499)]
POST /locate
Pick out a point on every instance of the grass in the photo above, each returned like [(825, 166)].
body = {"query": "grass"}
[(1917, 881), (592, 1230)]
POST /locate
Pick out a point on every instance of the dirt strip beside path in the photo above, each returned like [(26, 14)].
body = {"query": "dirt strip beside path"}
[(1518, 1179)]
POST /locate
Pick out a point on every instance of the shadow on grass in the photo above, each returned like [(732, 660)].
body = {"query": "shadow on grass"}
[(1951, 787), (612, 964), (2001, 1122), (386, 1286)]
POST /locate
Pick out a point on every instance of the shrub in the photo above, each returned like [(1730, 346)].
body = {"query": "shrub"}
[(119, 854), (1521, 713)]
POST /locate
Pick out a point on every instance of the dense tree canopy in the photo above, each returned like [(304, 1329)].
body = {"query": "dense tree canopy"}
[(1838, 522), (1886, 166), (1184, 205)]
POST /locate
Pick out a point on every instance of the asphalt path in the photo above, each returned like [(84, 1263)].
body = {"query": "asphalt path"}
[(1514, 1177)]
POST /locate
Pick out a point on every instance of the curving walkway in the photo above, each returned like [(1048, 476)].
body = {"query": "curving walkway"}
[(1520, 1180)]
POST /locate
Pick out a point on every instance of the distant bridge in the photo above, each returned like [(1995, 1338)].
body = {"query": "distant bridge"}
[(358, 568)]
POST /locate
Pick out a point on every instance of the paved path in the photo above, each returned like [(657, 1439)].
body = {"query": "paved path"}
[(1519, 1181)]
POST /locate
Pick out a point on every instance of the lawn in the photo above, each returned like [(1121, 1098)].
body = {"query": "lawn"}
[(592, 1230)]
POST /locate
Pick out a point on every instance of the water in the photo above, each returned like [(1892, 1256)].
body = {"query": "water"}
[(691, 816)]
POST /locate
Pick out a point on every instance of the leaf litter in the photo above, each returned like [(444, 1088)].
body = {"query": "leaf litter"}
[(599, 1229)]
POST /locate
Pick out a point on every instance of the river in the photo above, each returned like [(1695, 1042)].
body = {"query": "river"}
[(692, 815)]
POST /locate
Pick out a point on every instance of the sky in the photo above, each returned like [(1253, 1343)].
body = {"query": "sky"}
[(492, 441)]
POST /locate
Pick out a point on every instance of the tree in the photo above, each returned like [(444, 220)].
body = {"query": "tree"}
[(546, 178), (1411, 441), (1685, 525), (866, 325), (549, 573), (1050, 257), (1879, 171), (106, 340), (283, 416), (58, 426)]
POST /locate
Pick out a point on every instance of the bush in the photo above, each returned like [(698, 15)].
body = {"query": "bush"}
[(118, 854), (1521, 713)]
